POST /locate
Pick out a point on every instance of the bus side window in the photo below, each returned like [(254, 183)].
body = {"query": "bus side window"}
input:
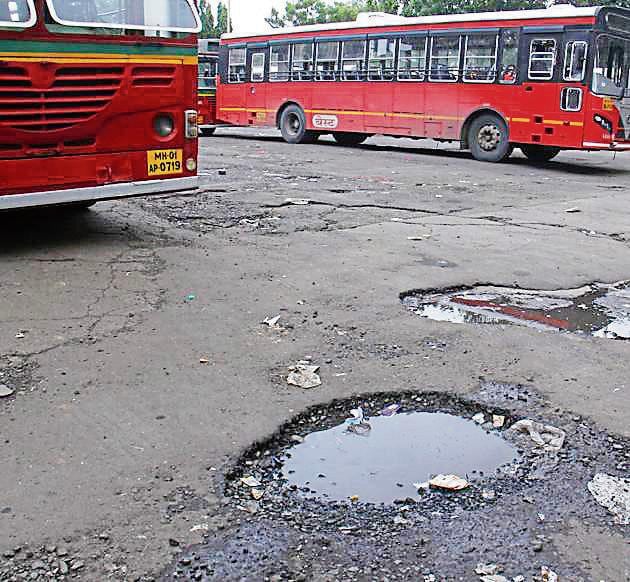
[(575, 60), (412, 57), (236, 60), (258, 67), (279, 63), (509, 57), (480, 58), (444, 61), (326, 63), (302, 62), (542, 59), (381, 62), (352, 60)]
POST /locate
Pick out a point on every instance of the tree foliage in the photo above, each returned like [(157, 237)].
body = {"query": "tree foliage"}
[(212, 28)]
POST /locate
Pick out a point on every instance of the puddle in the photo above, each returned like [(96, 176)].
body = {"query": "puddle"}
[(382, 465), (597, 310)]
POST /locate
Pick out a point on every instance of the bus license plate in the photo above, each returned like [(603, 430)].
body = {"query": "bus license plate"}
[(162, 162)]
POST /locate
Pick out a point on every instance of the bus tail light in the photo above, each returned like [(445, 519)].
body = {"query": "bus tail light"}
[(192, 129), (191, 164)]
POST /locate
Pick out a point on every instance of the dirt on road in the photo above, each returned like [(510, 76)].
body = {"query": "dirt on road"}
[(147, 426)]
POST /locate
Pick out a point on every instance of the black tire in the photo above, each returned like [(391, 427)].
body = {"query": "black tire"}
[(207, 131), (488, 139), (293, 126), (539, 154), (349, 139)]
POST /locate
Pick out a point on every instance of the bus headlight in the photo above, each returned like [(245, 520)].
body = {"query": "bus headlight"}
[(192, 130), (163, 125), (603, 122)]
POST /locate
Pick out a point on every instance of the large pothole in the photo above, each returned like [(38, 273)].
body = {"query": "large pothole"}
[(600, 310)]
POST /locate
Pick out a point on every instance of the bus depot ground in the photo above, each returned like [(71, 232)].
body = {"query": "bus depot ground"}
[(131, 335)]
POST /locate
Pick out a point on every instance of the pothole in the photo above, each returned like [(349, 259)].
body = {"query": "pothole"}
[(598, 310), (380, 464)]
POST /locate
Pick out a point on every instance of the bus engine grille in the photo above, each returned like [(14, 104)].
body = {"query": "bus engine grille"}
[(44, 98)]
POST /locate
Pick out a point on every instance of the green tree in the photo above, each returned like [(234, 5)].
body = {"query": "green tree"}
[(207, 20), (222, 20)]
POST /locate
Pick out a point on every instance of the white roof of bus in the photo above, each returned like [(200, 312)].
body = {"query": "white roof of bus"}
[(379, 19)]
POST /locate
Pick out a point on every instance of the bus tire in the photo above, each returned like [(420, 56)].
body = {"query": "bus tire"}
[(349, 139), (293, 126), (488, 139), (207, 131), (539, 154)]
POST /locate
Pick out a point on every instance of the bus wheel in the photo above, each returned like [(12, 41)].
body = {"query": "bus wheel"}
[(349, 139), (207, 131), (488, 139), (293, 126), (538, 153)]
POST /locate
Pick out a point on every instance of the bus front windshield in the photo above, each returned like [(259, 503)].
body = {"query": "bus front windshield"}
[(166, 15), (610, 76)]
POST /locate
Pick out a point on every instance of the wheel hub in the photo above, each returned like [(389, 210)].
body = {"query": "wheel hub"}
[(293, 124), (489, 137)]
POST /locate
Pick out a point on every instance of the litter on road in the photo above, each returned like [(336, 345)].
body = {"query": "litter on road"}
[(547, 437), (304, 376), (5, 391), (613, 493), (250, 482), (449, 483)]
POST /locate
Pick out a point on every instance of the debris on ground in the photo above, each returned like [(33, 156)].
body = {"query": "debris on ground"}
[(449, 483), (272, 322), (573, 210), (390, 410), (549, 438), (487, 569), (204, 361), (5, 391), (548, 575), (494, 578), (498, 421), (190, 297), (250, 481), (298, 201), (357, 424), (304, 375), (479, 418), (258, 494), (613, 493)]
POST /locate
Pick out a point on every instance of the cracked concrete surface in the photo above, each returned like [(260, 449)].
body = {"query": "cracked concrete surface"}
[(125, 413)]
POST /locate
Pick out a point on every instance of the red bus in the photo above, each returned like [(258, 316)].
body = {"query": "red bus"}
[(97, 100), (541, 80), (207, 85)]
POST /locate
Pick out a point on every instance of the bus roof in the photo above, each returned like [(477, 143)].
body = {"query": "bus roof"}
[(379, 19)]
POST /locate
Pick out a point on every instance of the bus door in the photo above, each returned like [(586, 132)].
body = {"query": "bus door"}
[(379, 93), (231, 101), (410, 86), (255, 90), (542, 73)]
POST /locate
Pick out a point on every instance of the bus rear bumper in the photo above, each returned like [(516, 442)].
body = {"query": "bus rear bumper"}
[(96, 193)]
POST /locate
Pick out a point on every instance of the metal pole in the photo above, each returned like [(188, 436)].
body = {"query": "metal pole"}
[(229, 12)]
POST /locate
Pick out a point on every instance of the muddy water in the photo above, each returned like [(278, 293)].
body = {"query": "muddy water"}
[(597, 310), (382, 464)]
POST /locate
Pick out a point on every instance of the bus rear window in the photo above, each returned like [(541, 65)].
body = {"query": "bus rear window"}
[(17, 13), (147, 15)]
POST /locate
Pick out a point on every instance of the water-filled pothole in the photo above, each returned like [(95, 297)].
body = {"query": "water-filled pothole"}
[(598, 310), (381, 464)]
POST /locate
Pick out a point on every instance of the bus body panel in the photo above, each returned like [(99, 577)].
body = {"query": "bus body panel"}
[(439, 109), (78, 112)]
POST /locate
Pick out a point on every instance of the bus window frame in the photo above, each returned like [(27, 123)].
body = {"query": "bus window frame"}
[(275, 77), (494, 66), (422, 72), (335, 72), (119, 27), (554, 59), (501, 59), (239, 64), (392, 72), (32, 21), (457, 74), (252, 78), (362, 71), (568, 60), (295, 75)]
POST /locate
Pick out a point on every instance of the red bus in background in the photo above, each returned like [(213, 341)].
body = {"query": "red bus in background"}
[(540, 80), (97, 100), (207, 85)]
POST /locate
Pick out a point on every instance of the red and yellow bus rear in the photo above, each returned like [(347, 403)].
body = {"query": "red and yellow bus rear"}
[(97, 100)]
